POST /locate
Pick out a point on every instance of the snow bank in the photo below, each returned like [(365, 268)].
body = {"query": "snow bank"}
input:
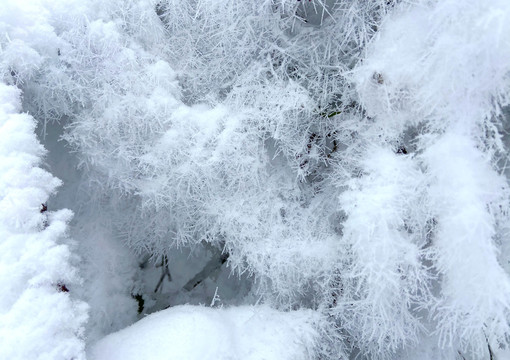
[(38, 317), (195, 332)]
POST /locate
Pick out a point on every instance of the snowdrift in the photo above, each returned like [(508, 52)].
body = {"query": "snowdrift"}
[(195, 332)]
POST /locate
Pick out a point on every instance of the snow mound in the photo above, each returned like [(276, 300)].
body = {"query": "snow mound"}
[(39, 317), (196, 332)]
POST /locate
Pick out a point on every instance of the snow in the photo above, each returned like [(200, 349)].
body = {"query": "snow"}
[(475, 288), (384, 248), (201, 333), (37, 319), (443, 62), (108, 268), (347, 158)]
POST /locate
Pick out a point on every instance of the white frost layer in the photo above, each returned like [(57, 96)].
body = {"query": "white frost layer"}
[(196, 332)]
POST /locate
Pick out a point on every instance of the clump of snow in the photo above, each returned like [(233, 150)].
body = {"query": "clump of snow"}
[(39, 319), (445, 62), (475, 288), (384, 241), (197, 333)]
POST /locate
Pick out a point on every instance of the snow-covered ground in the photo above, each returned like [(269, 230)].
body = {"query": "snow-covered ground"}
[(202, 333)]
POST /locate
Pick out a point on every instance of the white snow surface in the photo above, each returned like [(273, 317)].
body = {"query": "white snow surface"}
[(201, 333), (38, 319)]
